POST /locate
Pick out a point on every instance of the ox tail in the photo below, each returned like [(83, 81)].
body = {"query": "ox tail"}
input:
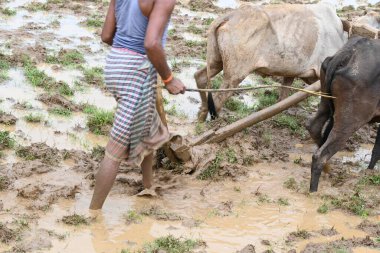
[(213, 54)]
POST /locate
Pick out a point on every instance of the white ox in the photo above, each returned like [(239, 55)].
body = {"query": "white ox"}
[(271, 40)]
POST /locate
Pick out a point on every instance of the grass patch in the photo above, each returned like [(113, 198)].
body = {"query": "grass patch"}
[(194, 29), (300, 233), (94, 21), (288, 121), (370, 180), (194, 43), (98, 152), (4, 67), (65, 89), (34, 118), (291, 184), (266, 99), (217, 81), (200, 128), (231, 156), (66, 58), (36, 77), (355, 204), (99, 121), (4, 183), (283, 202), (323, 209), (37, 6), (212, 170), (170, 244), (6, 141), (8, 12), (174, 112), (61, 111), (133, 217), (76, 220), (238, 106), (94, 76), (207, 21)]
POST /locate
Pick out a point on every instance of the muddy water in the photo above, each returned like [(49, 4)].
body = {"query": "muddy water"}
[(248, 222)]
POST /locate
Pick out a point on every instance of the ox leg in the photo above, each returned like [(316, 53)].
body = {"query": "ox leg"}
[(284, 92), (335, 142), (201, 81), (375, 151)]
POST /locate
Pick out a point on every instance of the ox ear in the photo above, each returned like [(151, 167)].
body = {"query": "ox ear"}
[(346, 25)]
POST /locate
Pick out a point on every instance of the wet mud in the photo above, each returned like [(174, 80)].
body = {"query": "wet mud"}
[(248, 193)]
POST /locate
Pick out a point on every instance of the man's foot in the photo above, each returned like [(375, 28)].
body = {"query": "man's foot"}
[(147, 193)]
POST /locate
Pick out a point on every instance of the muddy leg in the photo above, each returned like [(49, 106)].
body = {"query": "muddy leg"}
[(104, 181), (147, 171), (375, 151), (284, 92), (333, 144), (201, 80)]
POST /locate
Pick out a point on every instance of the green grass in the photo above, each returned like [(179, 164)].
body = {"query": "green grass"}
[(355, 203), (25, 153), (200, 128), (370, 180), (4, 183), (217, 81), (34, 118), (94, 21), (37, 6), (194, 43), (75, 220), (98, 152), (36, 77), (4, 67), (231, 156), (170, 244), (207, 21), (291, 184), (98, 119), (172, 110), (8, 12), (133, 217), (61, 111), (212, 170), (323, 209), (65, 89), (301, 233), (67, 58), (266, 99), (194, 29), (6, 141), (288, 121), (283, 202), (94, 76)]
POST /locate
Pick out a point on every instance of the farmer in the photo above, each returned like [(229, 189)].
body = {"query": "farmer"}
[(137, 30)]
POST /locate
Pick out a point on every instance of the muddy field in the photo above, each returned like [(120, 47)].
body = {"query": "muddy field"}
[(246, 194)]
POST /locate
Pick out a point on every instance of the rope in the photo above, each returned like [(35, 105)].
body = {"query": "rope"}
[(243, 89)]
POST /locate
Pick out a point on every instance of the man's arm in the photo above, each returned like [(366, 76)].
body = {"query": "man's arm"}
[(109, 27), (158, 19)]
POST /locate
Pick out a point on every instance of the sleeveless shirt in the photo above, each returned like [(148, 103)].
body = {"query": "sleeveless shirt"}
[(131, 26)]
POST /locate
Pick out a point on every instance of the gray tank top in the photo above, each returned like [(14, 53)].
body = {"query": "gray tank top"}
[(131, 26)]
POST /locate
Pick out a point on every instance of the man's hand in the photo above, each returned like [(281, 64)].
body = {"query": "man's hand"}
[(175, 87)]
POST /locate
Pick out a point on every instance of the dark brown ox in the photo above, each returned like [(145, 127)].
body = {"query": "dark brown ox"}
[(272, 40), (353, 76)]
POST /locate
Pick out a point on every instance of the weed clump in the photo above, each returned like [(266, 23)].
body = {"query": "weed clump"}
[(61, 111), (212, 170), (6, 141), (76, 220), (94, 76), (99, 121), (94, 21), (171, 244), (288, 121), (4, 67), (133, 217), (291, 184), (66, 58), (4, 183), (36, 77), (34, 118), (8, 12)]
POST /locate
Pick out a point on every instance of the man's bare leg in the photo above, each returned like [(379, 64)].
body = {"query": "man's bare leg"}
[(104, 181), (147, 171)]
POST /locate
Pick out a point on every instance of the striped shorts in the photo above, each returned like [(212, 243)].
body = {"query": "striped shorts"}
[(137, 129)]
